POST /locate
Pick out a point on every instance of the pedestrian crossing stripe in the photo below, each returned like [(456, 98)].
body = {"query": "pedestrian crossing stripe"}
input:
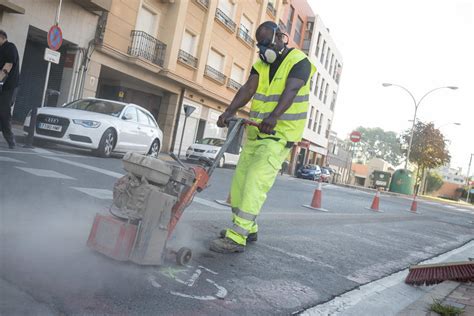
[(97, 193), (45, 173)]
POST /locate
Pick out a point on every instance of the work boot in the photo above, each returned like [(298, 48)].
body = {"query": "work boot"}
[(226, 245), (250, 238)]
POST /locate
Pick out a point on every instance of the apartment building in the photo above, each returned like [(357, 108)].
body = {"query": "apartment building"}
[(307, 32), (165, 55), (324, 90), (27, 23)]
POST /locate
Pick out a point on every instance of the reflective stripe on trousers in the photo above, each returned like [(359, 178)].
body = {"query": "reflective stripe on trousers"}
[(259, 163)]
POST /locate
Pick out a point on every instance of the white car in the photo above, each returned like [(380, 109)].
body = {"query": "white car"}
[(208, 148), (101, 125)]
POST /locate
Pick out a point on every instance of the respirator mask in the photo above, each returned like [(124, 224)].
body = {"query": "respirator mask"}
[(267, 51)]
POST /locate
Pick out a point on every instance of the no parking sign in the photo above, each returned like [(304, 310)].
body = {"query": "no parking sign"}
[(55, 37)]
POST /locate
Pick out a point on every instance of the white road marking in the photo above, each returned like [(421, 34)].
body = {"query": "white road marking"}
[(81, 165), (209, 203), (7, 159), (221, 293), (46, 173), (41, 151), (97, 193), (33, 153)]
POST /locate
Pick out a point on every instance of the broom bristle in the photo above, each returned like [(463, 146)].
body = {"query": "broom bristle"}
[(437, 273)]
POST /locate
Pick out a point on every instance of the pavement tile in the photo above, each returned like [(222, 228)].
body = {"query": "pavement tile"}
[(453, 303)]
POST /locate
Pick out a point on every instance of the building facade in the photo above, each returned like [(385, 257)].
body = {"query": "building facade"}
[(165, 55), (338, 158)]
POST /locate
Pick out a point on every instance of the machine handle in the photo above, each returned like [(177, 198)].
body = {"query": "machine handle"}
[(248, 122)]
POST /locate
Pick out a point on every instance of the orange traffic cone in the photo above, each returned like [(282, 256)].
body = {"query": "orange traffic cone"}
[(414, 205), (375, 203), (222, 202), (316, 202)]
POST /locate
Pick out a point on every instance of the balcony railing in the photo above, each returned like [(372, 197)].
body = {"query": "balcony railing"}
[(204, 3), (271, 9), (215, 74), (146, 46), (243, 34), (231, 83), (224, 19), (187, 58)]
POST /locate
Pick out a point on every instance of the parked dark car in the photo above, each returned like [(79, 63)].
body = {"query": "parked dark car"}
[(311, 172), (325, 175)]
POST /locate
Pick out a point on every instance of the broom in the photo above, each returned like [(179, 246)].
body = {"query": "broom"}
[(436, 273)]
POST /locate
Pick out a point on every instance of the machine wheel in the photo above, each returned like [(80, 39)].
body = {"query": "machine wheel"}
[(222, 162), (183, 256)]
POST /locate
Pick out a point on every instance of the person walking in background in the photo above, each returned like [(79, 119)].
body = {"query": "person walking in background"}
[(9, 78)]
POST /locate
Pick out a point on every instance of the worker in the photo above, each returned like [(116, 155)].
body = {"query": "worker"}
[(280, 86)]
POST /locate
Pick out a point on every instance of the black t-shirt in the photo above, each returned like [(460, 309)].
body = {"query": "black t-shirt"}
[(300, 70), (9, 54)]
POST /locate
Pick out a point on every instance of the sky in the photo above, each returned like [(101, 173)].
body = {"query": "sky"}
[(418, 44)]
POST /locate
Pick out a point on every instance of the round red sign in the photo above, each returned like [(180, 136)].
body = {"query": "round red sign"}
[(55, 37), (355, 137)]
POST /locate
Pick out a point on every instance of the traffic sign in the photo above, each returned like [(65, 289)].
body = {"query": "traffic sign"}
[(355, 137), (52, 56), (55, 37)]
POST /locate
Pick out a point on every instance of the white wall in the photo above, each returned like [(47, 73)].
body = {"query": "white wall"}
[(77, 24)]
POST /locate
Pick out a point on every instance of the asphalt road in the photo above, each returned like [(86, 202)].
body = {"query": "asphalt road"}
[(48, 199)]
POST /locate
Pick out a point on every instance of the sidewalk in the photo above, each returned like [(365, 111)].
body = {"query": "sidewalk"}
[(448, 293)]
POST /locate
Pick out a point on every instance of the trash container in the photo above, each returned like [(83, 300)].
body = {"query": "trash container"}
[(402, 182)]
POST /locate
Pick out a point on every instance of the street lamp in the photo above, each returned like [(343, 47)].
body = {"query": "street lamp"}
[(417, 104), (467, 179)]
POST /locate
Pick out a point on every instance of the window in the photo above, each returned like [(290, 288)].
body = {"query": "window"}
[(188, 44), (298, 30), (318, 43), (132, 113), (321, 90), (246, 24), (216, 60), (227, 7), (327, 59), (331, 67), (328, 128), (320, 123), (326, 93), (333, 101), (315, 121), (143, 118), (152, 120), (323, 52), (147, 21), (310, 120), (289, 23), (236, 77), (318, 76)]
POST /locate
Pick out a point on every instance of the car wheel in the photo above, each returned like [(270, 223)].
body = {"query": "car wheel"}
[(154, 149), (221, 162), (107, 144)]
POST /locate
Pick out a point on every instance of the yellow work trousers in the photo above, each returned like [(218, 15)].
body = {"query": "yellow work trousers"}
[(259, 163)]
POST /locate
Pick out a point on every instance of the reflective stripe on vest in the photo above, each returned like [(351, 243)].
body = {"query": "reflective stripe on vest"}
[(276, 97), (283, 117)]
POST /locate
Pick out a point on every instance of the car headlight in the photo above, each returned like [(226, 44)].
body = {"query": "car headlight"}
[(87, 123), (212, 151)]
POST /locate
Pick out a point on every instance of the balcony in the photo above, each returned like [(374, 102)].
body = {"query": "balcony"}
[(245, 36), (187, 59), (271, 9), (203, 3), (215, 75), (225, 20), (146, 46), (231, 83)]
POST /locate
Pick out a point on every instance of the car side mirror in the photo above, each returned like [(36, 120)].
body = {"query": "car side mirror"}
[(127, 117)]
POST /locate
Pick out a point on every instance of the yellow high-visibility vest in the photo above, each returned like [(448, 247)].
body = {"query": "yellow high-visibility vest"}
[(290, 125)]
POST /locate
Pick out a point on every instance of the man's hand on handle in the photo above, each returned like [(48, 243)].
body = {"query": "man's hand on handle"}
[(267, 126), (222, 121)]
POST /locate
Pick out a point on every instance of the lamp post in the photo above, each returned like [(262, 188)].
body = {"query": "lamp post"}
[(417, 104)]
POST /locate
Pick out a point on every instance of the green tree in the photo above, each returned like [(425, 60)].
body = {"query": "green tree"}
[(433, 182), (428, 149), (377, 143)]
